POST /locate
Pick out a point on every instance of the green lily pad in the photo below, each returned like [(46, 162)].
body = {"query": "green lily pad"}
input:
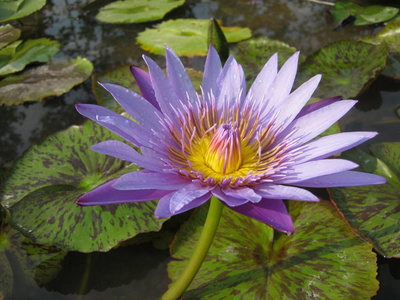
[(8, 34), (17, 55), (52, 79), (43, 185), (121, 75), (374, 211), (364, 15), (254, 53), (346, 67), (389, 35), (187, 37), (323, 259), (15, 9), (137, 11)]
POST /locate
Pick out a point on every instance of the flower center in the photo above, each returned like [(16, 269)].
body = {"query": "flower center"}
[(224, 152)]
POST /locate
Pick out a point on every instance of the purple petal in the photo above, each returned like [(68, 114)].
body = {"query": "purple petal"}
[(178, 77), (130, 101), (289, 109), (163, 207), (332, 144), (270, 212), (242, 193), (143, 180), (317, 105), (212, 69), (165, 94), (229, 200), (125, 128), (187, 194), (343, 179), (316, 168), (106, 194), (144, 83), (123, 151), (310, 125), (274, 191)]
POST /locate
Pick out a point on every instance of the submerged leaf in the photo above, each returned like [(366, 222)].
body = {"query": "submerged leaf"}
[(137, 11), (187, 37), (53, 79), (321, 260), (44, 184), (15, 9), (374, 211)]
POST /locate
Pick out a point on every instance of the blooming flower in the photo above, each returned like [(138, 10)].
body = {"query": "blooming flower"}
[(250, 150)]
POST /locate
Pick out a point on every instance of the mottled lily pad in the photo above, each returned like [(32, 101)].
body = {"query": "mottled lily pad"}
[(8, 34), (254, 53), (122, 75), (346, 67), (187, 37), (21, 53), (323, 259), (365, 15), (52, 79), (15, 9), (43, 185), (374, 211), (137, 11)]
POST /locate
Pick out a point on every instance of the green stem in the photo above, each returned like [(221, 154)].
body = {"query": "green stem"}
[(207, 235)]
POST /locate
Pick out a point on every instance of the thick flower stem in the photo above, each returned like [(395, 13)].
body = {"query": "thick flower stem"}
[(207, 235)]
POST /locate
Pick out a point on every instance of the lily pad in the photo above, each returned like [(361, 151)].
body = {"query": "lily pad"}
[(122, 75), (137, 11), (366, 15), (8, 34), (346, 67), (323, 259), (52, 79), (254, 53), (15, 9), (187, 37), (374, 211), (389, 35), (17, 55), (43, 185)]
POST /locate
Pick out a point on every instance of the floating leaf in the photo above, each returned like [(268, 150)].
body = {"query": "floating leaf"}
[(389, 35), (43, 185), (15, 9), (374, 211), (121, 75), (364, 15), (323, 259), (137, 11), (254, 53), (346, 67), (19, 54), (187, 37), (52, 79), (8, 34)]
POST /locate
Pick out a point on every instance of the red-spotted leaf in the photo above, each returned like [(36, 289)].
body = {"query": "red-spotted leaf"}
[(44, 184), (374, 211), (323, 259)]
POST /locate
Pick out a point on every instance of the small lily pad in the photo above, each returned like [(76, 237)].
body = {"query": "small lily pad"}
[(374, 211), (137, 11), (17, 55), (323, 259), (389, 35), (187, 37), (52, 79), (43, 185), (15, 9), (346, 67), (8, 34), (366, 15)]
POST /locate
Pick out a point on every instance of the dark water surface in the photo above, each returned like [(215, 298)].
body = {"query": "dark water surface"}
[(140, 272)]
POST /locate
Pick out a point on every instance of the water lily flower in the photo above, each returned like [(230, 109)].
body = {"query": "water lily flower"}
[(250, 150)]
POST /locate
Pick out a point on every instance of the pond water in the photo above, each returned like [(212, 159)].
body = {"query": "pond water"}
[(140, 272)]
